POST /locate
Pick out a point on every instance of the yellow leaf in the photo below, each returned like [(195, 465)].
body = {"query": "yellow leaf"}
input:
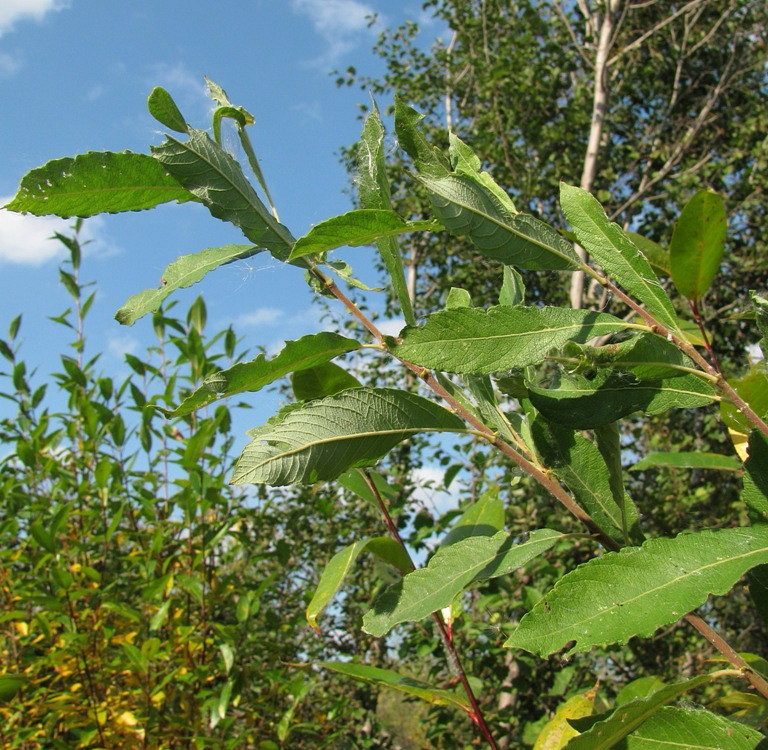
[(557, 731), (127, 719), (739, 440), (22, 628)]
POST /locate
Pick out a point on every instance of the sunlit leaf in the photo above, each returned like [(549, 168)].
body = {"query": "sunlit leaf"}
[(449, 571), (755, 490), (320, 381), (185, 271), (639, 589), (483, 518), (557, 732), (610, 246), (96, 183), (479, 342), (162, 107), (687, 460), (308, 351)]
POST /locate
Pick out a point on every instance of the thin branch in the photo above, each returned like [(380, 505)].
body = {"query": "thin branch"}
[(579, 47)]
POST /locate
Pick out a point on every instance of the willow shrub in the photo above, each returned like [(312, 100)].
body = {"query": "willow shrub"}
[(544, 386)]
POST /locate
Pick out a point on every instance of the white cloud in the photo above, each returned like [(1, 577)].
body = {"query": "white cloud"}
[(121, 344), (27, 240), (261, 316), (339, 22), (12, 11), (9, 65)]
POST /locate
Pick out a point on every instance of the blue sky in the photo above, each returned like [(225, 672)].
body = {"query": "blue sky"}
[(75, 76)]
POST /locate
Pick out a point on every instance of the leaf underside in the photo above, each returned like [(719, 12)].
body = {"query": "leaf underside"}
[(324, 438)]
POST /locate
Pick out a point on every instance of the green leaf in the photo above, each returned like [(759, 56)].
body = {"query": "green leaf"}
[(577, 462), (427, 159), (339, 566), (480, 342), (582, 403), (755, 490), (464, 161), (697, 244), (647, 356), (483, 518), (10, 684), (162, 107), (753, 388), (512, 288), (758, 590), (457, 298), (160, 616), (450, 570), (363, 226), (467, 207), (388, 678), (374, 192), (324, 438), (321, 380), (687, 460), (185, 271), (557, 731), (656, 255), (43, 537), (672, 728), (309, 351), (760, 304), (635, 591), (609, 244), (354, 481), (96, 183), (217, 180)]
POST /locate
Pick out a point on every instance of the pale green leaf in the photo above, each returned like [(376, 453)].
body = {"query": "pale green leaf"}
[(309, 351), (610, 246), (512, 288), (450, 570), (388, 678), (557, 732), (427, 159), (582, 403), (480, 342), (160, 616), (687, 460), (465, 161), (185, 271), (339, 566), (96, 183), (324, 438), (363, 226), (457, 298), (577, 462), (217, 180), (672, 728), (483, 518), (322, 380), (467, 207), (697, 244), (753, 388), (635, 591), (162, 107), (374, 192)]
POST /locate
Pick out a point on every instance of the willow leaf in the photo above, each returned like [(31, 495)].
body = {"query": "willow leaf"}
[(755, 490), (375, 192), (672, 728), (363, 226), (581, 403), (217, 180), (321, 380), (483, 518), (450, 570), (635, 591), (162, 107), (612, 248), (577, 462), (388, 678), (339, 566), (185, 271), (687, 460), (468, 207), (324, 438), (96, 183), (309, 351), (427, 159), (472, 341), (558, 731), (697, 244)]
